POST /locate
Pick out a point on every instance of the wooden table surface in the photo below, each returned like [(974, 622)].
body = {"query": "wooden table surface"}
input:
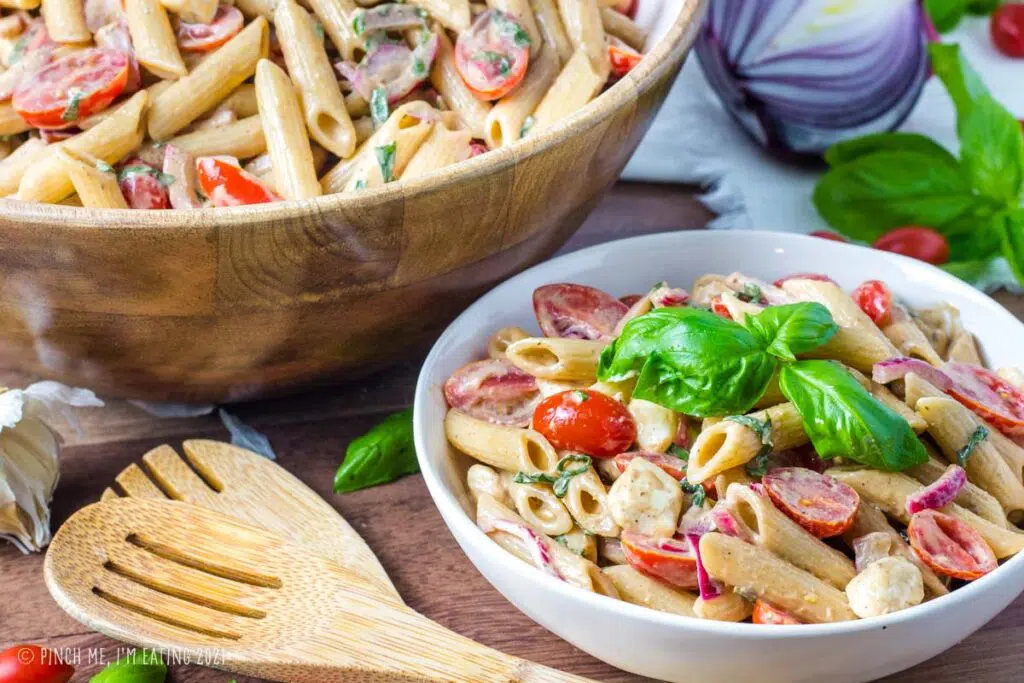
[(399, 521)]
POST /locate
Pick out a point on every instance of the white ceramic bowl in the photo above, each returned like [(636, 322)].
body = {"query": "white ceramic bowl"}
[(675, 648)]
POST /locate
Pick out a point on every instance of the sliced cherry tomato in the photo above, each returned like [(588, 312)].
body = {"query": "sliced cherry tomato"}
[(585, 422), (72, 88), (627, 7), (718, 308), (950, 547), (228, 185), (988, 395), (143, 185), (916, 241), (493, 54), (1007, 28), (495, 391), (671, 465), (875, 299), (827, 235), (206, 37), (630, 299), (116, 36), (669, 559), (33, 664), (576, 311), (819, 503), (622, 57), (804, 276), (765, 613)]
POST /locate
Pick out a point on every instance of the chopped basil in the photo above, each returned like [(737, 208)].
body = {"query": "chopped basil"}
[(419, 67), (758, 464), (360, 184), (979, 435), (581, 395), (679, 452), (527, 125), (386, 160), (318, 30), (71, 111), (695, 490), (658, 285), (562, 540), (751, 292), (379, 106), (560, 483), (103, 167), (359, 23)]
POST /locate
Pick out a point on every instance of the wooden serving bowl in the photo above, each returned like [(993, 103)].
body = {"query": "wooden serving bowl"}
[(227, 304)]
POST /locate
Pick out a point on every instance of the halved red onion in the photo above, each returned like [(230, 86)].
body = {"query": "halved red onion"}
[(897, 368), (725, 523), (392, 66), (537, 547), (708, 587), (940, 492)]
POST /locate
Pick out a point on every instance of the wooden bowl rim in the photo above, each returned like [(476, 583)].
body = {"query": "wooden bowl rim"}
[(639, 80)]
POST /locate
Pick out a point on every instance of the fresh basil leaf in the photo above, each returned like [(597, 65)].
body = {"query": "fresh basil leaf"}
[(962, 82), (74, 102), (791, 329), (382, 455), (379, 106), (992, 151), (946, 14), (976, 437), (982, 8), (844, 419), (868, 196), (642, 336), (1012, 237), (679, 452), (140, 666), (851, 150), (976, 235), (559, 483), (695, 490)]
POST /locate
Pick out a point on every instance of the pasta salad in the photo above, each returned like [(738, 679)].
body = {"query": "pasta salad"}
[(781, 453), (183, 104)]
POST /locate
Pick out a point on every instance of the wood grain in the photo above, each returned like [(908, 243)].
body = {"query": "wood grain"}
[(398, 521)]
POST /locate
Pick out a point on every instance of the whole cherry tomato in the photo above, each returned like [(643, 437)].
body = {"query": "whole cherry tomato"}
[(916, 241), (33, 664), (1008, 29), (585, 421)]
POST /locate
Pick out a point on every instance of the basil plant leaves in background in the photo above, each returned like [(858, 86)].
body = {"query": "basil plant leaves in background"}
[(883, 181), (700, 364), (946, 14)]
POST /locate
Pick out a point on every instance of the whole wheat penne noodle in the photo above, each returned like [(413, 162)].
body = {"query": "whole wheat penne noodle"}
[(736, 475), (446, 79), (858, 342), (539, 506), (656, 425), (939, 324), (506, 448), (889, 491), (728, 606), (65, 21), (581, 542), (253, 9), (777, 533), (263, 168), (287, 140), (1012, 375), (609, 550), (622, 27), (210, 82), (500, 340), (973, 497), (963, 349), (953, 426), (364, 128), (512, 533), (720, 447), (908, 337), (47, 181), (453, 14), (323, 106), (556, 358), (17, 162), (336, 17), (583, 26), (481, 479), (241, 101), (587, 502), (156, 47), (758, 572), (505, 122), (642, 590), (11, 122), (370, 164), (96, 186), (192, 11), (576, 84), (870, 519), (442, 147), (522, 12), (549, 23), (243, 139)]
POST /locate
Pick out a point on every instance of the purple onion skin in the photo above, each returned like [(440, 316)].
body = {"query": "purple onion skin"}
[(829, 106), (940, 492)]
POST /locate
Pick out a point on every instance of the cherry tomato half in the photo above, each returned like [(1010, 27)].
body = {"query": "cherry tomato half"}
[(206, 37), (72, 88), (495, 391), (142, 186), (989, 396), (492, 55), (765, 613), (622, 57), (1007, 28), (585, 421), (720, 309), (33, 664), (671, 465), (669, 559), (577, 311), (226, 184), (627, 7), (875, 299), (950, 547), (819, 503), (827, 235), (916, 241)]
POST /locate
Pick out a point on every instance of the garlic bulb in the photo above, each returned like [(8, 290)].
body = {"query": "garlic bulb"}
[(29, 464)]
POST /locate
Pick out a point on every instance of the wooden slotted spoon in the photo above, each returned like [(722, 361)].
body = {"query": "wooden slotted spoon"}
[(241, 484), (164, 574)]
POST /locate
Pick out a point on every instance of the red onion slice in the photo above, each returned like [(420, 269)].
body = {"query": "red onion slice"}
[(537, 547), (940, 492), (870, 548), (725, 523), (709, 588), (898, 368)]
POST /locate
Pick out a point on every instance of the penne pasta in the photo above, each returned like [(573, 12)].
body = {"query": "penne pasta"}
[(963, 349), (453, 14), (287, 144), (11, 122), (587, 502), (576, 84), (907, 336), (622, 27), (549, 23), (500, 340), (506, 121), (445, 77), (336, 16), (243, 139), (538, 505), (720, 447), (583, 26), (442, 147), (65, 21), (581, 542), (642, 590), (13, 168), (483, 480), (192, 11), (155, 45), (556, 358), (728, 606), (94, 182), (506, 448), (656, 425)]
